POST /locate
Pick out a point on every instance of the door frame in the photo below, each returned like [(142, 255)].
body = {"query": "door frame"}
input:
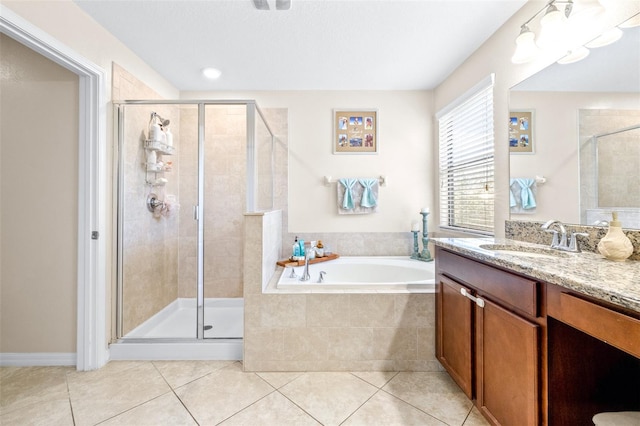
[(91, 335)]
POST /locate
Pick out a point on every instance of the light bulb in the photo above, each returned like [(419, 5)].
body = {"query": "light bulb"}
[(552, 34), (552, 16), (526, 48)]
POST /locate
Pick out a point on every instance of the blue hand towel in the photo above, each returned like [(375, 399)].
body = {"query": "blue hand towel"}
[(512, 198), (347, 200), (526, 194), (368, 193)]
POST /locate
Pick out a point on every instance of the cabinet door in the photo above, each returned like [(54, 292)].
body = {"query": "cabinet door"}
[(453, 328), (507, 366)]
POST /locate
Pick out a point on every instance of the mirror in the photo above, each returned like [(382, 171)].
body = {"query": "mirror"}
[(577, 128)]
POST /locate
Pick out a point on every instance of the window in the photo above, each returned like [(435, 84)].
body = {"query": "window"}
[(467, 161)]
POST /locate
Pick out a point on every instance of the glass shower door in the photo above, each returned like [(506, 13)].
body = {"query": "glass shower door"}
[(156, 238), (223, 165)]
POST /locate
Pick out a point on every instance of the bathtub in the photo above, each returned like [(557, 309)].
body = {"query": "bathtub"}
[(363, 274)]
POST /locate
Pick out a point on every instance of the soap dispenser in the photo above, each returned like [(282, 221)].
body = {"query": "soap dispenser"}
[(295, 250), (615, 245)]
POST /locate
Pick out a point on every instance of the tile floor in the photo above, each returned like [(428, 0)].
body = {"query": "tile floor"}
[(219, 392)]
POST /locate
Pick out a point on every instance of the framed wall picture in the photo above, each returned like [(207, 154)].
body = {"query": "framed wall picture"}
[(355, 131), (521, 140)]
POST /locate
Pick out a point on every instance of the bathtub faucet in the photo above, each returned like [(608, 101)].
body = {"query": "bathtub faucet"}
[(305, 274)]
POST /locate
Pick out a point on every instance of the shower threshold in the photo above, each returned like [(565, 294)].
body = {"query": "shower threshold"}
[(170, 334)]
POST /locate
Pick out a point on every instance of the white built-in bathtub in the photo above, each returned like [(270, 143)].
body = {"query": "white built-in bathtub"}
[(363, 274)]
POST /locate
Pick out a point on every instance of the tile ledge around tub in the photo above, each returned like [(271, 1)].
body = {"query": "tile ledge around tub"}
[(272, 288)]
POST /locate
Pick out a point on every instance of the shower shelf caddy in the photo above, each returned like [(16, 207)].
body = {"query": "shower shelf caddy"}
[(159, 167)]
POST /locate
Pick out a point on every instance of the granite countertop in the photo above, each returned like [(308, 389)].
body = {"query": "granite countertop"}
[(587, 273)]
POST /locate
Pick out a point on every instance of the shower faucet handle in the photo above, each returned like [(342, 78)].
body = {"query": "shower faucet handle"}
[(321, 278)]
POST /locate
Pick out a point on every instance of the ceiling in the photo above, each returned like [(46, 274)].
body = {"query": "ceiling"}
[(316, 45)]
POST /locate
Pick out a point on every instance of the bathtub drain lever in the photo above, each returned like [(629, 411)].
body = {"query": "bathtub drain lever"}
[(321, 278)]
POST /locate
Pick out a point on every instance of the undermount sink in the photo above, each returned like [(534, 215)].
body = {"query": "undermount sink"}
[(541, 252)]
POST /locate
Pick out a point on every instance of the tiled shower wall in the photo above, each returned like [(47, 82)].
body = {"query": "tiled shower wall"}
[(224, 200), (150, 243), (618, 161)]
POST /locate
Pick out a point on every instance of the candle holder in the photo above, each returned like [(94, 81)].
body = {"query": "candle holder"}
[(416, 248), (424, 255)]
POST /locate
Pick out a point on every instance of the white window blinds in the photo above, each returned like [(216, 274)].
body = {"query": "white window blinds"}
[(466, 161)]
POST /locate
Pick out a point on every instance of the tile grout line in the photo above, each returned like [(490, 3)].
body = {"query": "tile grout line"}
[(361, 405), (302, 409), (174, 391), (417, 408), (66, 381)]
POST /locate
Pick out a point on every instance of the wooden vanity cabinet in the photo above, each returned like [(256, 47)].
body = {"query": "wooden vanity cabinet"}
[(594, 357), (454, 333), (491, 339)]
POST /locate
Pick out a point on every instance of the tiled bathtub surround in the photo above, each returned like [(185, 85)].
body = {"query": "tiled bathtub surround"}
[(330, 332), (531, 232), (357, 244)]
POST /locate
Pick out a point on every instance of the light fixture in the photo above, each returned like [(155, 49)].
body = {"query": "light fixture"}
[(552, 16), (606, 38), (526, 48), (211, 73), (586, 9), (574, 55), (564, 25), (553, 25)]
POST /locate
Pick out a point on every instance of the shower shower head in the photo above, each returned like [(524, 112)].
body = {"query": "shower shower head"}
[(162, 121)]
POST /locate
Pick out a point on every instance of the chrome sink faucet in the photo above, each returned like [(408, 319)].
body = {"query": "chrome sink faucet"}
[(572, 246), (305, 273), (563, 233)]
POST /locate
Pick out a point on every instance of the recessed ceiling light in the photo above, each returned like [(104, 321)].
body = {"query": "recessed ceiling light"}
[(211, 73)]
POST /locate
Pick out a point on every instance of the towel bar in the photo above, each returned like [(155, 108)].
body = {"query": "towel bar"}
[(328, 180)]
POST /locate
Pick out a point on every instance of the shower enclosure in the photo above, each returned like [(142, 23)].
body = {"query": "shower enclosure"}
[(188, 171), (609, 165)]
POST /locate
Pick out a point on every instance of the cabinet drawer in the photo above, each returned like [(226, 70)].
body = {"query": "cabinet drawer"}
[(513, 290), (612, 327)]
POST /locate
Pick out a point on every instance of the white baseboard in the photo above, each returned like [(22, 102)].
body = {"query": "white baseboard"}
[(34, 359)]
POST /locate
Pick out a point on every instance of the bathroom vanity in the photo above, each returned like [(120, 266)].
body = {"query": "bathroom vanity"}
[(536, 337)]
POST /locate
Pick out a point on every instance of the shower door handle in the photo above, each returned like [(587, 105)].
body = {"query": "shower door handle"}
[(196, 214)]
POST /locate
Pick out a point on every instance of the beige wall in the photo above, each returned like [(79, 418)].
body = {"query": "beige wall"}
[(557, 156), (64, 21), (38, 202), (405, 157), (494, 56)]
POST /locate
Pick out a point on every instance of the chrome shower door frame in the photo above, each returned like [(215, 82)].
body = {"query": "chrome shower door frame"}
[(198, 209)]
